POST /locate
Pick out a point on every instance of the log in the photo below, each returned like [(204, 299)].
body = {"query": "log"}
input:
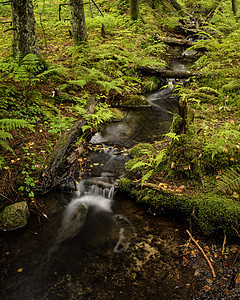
[(54, 161), (163, 73), (176, 42)]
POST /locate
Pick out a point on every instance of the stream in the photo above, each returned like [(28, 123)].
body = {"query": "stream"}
[(96, 243)]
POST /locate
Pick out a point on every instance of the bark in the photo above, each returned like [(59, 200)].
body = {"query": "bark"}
[(234, 7), (168, 73), (24, 31), (54, 162), (134, 10), (77, 18)]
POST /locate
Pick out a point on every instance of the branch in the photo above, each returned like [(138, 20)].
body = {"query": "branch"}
[(205, 256), (168, 73), (97, 8)]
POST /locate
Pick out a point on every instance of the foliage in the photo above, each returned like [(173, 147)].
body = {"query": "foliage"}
[(23, 68), (229, 182), (213, 214), (7, 125), (145, 160)]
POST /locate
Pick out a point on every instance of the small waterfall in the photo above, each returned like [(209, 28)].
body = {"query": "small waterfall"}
[(91, 196)]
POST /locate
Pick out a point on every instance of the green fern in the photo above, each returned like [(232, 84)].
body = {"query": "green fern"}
[(7, 125), (54, 70), (230, 182), (113, 85)]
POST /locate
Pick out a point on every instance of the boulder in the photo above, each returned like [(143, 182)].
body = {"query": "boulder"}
[(14, 216)]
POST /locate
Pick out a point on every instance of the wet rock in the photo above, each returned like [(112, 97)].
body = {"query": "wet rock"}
[(14, 216)]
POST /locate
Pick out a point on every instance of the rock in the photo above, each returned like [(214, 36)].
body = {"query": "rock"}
[(14, 216), (134, 101)]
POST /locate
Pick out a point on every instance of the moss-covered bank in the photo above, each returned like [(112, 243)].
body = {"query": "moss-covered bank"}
[(210, 214)]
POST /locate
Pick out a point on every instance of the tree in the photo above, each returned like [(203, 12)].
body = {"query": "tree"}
[(24, 31), (234, 7), (77, 18), (134, 10)]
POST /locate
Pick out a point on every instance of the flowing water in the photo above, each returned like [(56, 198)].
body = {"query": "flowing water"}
[(96, 243)]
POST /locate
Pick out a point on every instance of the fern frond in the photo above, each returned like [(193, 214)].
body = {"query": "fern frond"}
[(9, 124), (5, 135), (140, 165), (54, 70), (80, 82), (230, 182)]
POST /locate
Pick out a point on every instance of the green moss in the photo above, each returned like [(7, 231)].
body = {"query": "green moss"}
[(141, 149), (117, 115), (214, 214), (176, 123), (135, 101), (124, 185)]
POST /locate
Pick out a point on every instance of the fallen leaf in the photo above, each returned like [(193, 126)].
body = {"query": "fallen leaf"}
[(206, 288)]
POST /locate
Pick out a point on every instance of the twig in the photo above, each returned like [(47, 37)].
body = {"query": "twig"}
[(6, 197), (41, 211), (224, 243), (97, 7), (205, 256)]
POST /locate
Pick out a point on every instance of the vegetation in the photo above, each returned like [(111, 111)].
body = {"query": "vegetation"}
[(46, 88)]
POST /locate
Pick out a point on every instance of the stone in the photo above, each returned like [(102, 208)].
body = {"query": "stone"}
[(14, 216), (134, 101)]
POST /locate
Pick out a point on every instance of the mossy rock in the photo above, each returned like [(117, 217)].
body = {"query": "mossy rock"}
[(134, 101), (14, 216), (117, 115), (141, 149)]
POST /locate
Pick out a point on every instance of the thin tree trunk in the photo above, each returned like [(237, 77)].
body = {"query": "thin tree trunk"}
[(134, 10), (234, 7), (24, 31), (77, 18)]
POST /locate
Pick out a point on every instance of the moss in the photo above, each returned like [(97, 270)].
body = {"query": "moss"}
[(214, 214), (124, 185), (131, 163), (135, 101), (176, 123), (117, 115), (141, 149)]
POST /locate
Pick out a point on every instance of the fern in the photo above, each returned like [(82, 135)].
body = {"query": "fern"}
[(113, 85), (54, 70), (230, 182), (5, 126), (9, 124)]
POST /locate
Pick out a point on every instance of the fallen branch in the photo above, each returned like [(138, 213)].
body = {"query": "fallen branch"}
[(55, 160), (205, 256), (169, 73)]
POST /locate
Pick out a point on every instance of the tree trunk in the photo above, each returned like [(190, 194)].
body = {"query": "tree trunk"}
[(24, 31), (77, 18), (134, 10), (234, 7)]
